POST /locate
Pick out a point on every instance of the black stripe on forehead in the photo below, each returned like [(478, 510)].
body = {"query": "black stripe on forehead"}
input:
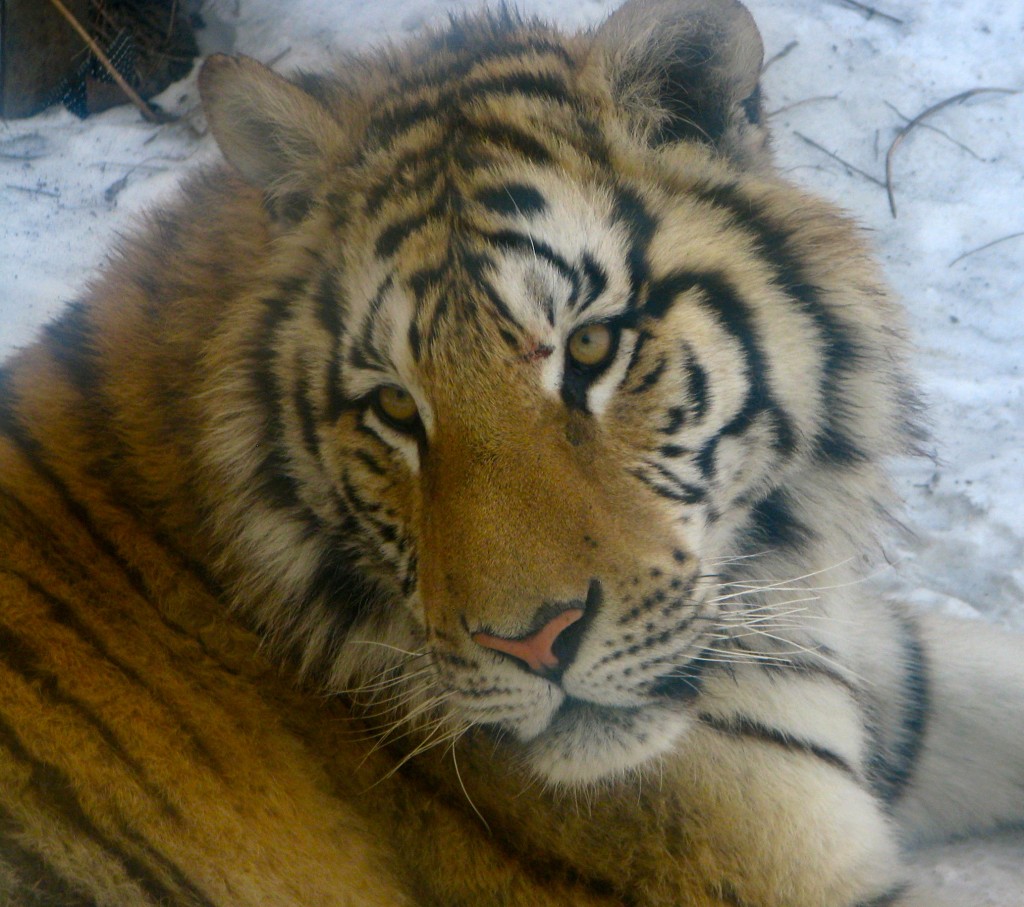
[(524, 244), (402, 115), (436, 190), (408, 172), (512, 198), (534, 249), (498, 304), (469, 145), (640, 223), (464, 100), (392, 236), (428, 172), (363, 353), (595, 280), (479, 141), (544, 86), (457, 283), (481, 42), (434, 288), (456, 291)]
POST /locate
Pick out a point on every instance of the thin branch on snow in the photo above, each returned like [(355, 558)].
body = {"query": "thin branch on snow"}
[(988, 245), (814, 100), (49, 193), (916, 121), (871, 12), (782, 53), (836, 157), (941, 132), (273, 61)]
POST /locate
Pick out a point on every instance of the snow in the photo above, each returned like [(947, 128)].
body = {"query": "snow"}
[(68, 187)]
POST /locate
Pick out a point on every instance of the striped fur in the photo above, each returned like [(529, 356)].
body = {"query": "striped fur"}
[(504, 336)]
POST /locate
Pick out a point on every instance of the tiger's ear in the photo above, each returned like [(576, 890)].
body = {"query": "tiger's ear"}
[(276, 135), (687, 69)]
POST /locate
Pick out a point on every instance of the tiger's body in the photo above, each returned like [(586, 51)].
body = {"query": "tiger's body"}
[(500, 389)]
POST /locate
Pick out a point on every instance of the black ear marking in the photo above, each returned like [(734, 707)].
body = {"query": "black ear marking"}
[(694, 107), (687, 70), (752, 107)]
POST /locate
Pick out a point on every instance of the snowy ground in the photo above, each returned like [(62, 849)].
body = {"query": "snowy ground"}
[(848, 83)]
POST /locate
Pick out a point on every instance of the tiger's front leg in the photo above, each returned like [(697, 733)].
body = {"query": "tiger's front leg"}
[(740, 814), (783, 786), (773, 821)]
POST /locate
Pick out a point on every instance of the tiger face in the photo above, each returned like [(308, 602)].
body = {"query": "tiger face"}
[(552, 550), (544, 438), (535, 377)]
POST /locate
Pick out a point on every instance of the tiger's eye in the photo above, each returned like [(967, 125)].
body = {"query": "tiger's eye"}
[(591, 345), (396, 405)]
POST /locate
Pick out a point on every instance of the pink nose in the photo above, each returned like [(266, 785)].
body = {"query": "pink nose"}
[(535, 650)]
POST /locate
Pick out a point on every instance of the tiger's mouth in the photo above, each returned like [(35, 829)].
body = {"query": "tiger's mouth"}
[(604, 694), (575, 713), (584, 741), (682, 686)]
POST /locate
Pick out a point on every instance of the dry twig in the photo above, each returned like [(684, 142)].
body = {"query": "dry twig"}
[(988, 245), (33, 191), (782, 53), (814, 100), (26, 147), (271, 63), (148, 112), (935, 108), (837, 158), (871, 12), (936, 129)]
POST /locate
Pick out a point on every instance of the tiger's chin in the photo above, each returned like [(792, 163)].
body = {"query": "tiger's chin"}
[(586, 742)]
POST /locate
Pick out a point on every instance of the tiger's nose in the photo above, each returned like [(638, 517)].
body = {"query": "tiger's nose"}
[(535, 650)]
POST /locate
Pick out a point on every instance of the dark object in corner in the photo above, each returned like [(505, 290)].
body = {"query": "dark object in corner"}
[(38, 52), (43, 61)]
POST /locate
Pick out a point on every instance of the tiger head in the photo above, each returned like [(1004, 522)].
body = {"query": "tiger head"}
[(546, 345)]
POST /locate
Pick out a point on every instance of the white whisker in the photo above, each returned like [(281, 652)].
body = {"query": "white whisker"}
[(455, 762), (384, 645)]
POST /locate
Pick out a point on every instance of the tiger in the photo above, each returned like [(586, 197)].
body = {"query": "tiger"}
[(466, 493)]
